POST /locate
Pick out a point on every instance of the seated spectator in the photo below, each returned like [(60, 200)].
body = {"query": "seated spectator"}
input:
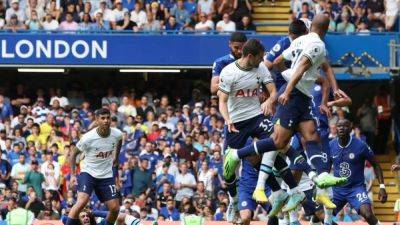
[(221, 214), (2, 10), (345, 26), (305, 12), (204, 24), (180, 13), (152, 23), (222, 7), (246, 24), (108, 16), (332, 23), (172, 24), (392, 11), (165, 177), (296, 5), (34, 23), (119, 12), (206, 7), (34, 6), (15, 10), (375, 11), (49, 23), (71, 9), (127, 24), (226, 24), (86, 23), (191, 7), (320, 7), (87, 9), (128, 4), (54, 10), (363, 28), (14, 24), (242, 8), (170, 212), (20, 215), (360, 15), (138, 15), (158, 14), (69, 24), (185, 183)]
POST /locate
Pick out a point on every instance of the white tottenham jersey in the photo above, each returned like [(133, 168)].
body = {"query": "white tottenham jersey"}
[(99, 152), (243, 87), (312, 47), (305, 183)]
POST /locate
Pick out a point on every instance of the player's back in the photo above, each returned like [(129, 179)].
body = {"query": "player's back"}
[(349, 161), (242, 87), (99, 152), (220, 63), (312, 47)]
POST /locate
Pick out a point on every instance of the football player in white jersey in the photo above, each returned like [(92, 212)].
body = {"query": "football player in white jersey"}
[(307, 53), (101, 147)]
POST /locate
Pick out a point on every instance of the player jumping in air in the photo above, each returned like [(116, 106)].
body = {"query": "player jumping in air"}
[(348, 155), (307, 53), (101, 147)]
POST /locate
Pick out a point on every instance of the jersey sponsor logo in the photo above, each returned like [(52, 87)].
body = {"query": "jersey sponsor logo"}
[(104, 155), (276, 48), (344, 170), (246, 93), (244, 203), (351, 156)]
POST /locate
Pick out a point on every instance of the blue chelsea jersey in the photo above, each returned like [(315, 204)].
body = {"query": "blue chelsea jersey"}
[(276, 51), (220, 63)]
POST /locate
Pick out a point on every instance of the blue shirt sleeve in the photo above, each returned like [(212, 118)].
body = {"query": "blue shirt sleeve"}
[(217, 68), (275, 51), (367, 151)]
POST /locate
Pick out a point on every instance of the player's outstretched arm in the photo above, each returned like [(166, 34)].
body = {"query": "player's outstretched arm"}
[(330, 76), (304, 65), (75, 153), (323, 108), (223, 109), (214, 84), (378, 171), (342, 101), (268, 107), (278, 63)]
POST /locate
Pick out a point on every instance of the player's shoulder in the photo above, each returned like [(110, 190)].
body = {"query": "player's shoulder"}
[(115, 132), (225, 59), (220, 63), (90, 134), (333, 142), (229, 69)]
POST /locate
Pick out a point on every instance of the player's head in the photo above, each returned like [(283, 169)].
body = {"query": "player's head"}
[(236, 43), (85, 217), (297, 28), (320, 24), (343, 128), (103, 117), (253, 52)]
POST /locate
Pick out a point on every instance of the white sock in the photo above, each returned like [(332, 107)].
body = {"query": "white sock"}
[(284, 220), (294, 216), (267, 162), (328, 215), (235, 155), (312, 175), (378, 223)]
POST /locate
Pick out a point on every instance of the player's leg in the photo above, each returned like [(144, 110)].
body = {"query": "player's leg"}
[(358, 199), (340, 200), (314, 153), (85, 188), (368, 214), (107, 192), (246, 204)]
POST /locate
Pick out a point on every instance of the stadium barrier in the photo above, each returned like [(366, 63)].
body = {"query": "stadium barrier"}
[(40, 49)]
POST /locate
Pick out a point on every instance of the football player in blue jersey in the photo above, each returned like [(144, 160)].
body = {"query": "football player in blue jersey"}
[(348, 155), (236, 43)]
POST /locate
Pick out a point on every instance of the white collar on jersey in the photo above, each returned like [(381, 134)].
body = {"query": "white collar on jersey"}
[(347, 145)]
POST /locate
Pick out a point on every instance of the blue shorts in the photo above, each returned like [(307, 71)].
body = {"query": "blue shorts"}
[(257, 127), (356, 197), (298, 109), (247, 185), (104, 189), (309, 206)]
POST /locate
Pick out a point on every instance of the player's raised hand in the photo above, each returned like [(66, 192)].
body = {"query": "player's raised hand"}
[(283, 98), (268, 108), (382, 196), (324, 109), (232, 128), (395, 167)]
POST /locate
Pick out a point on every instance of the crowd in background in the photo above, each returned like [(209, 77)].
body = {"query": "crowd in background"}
[(170, 161), (350, 16), (133, 15)]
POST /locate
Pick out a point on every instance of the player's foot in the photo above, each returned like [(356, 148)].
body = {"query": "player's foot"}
[(278, 202), (230, 164), (295, 199), (323, 198), (325, 180), (231, 210), (259, 196)]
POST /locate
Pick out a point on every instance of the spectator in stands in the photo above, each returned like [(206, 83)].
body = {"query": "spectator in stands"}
[(128, 4), (226, 24), (33, 5), (119, 12), (392, 10), (19, 171), (69, 24), (34, 23), (127, 24), (152, 23), (376, 16), (383, 103), (246, 24), (172, 25), (35, 179), (71, 9), (367, 114), (142, 177), (165, 177), (2, 10), (170, 212), (20, 215), (144, 107), (180, 13), (207, 7), (14, 24), (222, 7), (107, 18), (50, 24), (204, 24), (54, 10), (86, 23), (126, 108), (110, 98), (100, 23), (87, 9), (345, 26), (185, 183), (158, 14), (191, 7), (296, 5), (362, 27), (6, 109), (15, 10), (138, 15), (242, 8), (305, 12)]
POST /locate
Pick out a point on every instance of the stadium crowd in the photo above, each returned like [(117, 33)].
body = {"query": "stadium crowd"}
[(149, 15), (350, 16), (170, 161)]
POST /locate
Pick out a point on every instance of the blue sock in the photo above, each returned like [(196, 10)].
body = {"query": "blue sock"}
[(109, 223), (71, 221), (284, 172), (314, 154), (298, 161), (258, 148)]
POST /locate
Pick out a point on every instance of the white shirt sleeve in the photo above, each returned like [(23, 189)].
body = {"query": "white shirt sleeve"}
[(315, 52), (287, 54), (266, 75), (226, 81), (83, 144)]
